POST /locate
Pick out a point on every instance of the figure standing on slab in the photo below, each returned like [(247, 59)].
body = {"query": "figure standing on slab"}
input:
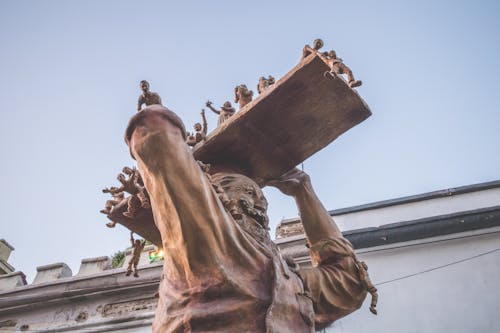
[(137, 247), (317, 44), (219, 268), (147, 97), (225, 112), (264, 83), (200, 133), (242, 95)]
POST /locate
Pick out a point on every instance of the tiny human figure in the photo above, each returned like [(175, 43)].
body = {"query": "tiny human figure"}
[(134, 186), (264, 83), (137, 247), (367, 284), (337, 67), (118, 196), (317, 44), (147, 97), (200, 133), (242, 95), (224, 113)]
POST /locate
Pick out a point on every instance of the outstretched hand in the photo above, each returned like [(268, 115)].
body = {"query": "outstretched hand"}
[(291, 182)]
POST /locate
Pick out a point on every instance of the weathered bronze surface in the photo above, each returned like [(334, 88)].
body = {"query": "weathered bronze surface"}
[(223, 273), (311, 111)]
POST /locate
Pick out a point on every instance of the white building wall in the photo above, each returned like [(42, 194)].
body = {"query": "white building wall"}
[(459, 298)]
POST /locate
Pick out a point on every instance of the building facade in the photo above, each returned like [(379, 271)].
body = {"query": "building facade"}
[(434, 258)]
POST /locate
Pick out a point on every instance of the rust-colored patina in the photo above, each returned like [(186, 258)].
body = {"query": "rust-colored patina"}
[(224, 274)]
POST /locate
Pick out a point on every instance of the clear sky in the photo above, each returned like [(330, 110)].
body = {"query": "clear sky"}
[(69, 82)]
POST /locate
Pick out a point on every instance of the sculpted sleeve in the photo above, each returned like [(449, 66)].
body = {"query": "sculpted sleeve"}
[(334, 284)]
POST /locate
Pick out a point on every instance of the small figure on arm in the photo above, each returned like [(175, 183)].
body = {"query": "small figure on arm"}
[(118, 196), (137, 247), (147, 97)]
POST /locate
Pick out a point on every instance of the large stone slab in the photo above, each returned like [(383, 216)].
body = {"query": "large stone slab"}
[(293, 119)]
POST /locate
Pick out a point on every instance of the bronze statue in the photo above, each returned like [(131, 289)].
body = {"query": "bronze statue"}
[(147, 97), (242, 95), (137, 247), (338, 67), (224, 113), (225, 274), (317, 44), (264, 83), (200, 133)]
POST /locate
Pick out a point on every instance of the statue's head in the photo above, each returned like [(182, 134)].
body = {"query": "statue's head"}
[(246, 194), (227, 105), (197, 127), (317, 44), (137, 242), (332, 54), (144, 85)]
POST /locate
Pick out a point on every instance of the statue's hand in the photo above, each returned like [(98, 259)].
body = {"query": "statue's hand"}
[(291, 182), (208, 103)]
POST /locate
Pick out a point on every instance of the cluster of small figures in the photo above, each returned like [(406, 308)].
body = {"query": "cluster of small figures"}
[(131, 183), (243, 96)]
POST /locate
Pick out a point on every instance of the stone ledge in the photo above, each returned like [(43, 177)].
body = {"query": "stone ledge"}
[(52, 272), (12, 280), (95, 265)]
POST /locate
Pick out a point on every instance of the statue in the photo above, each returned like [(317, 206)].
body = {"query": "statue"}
[(224, 273), (338, 67), (317, 44), (264, 83), (242, 95), (147, 97), (137, 247), (224, 113), (200, 133)]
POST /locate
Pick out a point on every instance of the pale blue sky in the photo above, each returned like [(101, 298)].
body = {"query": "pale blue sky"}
[(69, 74)]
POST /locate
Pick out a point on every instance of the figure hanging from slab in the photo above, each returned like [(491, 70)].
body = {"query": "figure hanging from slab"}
[(225, 112), (147, 97), (242, 95), (137, 247), (200, 133), (337, 67)]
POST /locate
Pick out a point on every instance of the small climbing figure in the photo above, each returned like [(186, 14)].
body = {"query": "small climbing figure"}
[(224, 113), (137, 247), (337, 67)]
